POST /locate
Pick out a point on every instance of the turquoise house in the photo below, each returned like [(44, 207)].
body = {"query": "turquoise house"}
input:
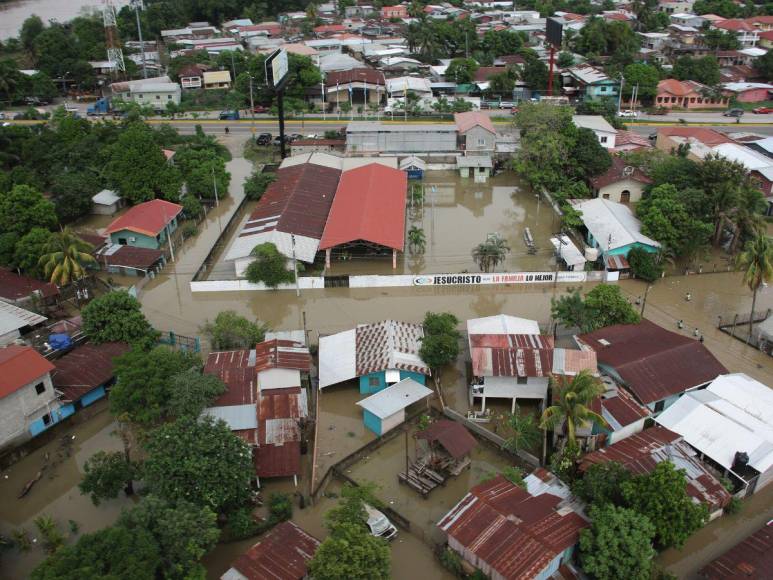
[(377, 381), (146, 225), (386, 409)]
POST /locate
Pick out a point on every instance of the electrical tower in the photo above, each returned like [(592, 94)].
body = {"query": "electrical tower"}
[(114, 52)]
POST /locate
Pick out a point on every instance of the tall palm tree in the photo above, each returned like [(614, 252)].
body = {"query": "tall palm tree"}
[(757, 263), (491, 253), (66, 258), (417, 241), (571, 404)]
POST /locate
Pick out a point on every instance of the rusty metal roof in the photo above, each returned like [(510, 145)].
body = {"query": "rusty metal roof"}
[(513, 532), (282, 554), (622, 409), (453, 436), (286, 403), (282, 354), (129, 256), (653, 362), (14, 286), (236, 368), (640, 454), (389, 345), (278, 460), (279, 448), (750, 558), (86, 368)]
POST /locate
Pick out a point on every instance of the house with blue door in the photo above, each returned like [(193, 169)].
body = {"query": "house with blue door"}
[(375, 355), (508, 531), (613, 229), (82, 376), (28, 402), (146, 225), (385, 410)]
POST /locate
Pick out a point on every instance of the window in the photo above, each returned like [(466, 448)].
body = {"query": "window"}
[(659, 406), (522, 380), (40, 388), (603, 139), (139, 96), (605, 196), (373, 381), (169, 97), (46, 419), (121, 241), (481, 141), (625, 196), (158, 97)]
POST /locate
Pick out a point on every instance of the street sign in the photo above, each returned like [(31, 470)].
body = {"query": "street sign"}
[(277, 68)]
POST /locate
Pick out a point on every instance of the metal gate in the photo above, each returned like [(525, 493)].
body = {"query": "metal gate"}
[(336, 281)]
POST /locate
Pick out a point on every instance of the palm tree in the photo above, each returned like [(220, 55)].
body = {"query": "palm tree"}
[(757, 262), (66, 258), (416, 240), (490, 253), (571, 404), (524, 431)]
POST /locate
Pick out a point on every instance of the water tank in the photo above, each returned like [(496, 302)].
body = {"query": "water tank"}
[(741, 461), (591, 254)]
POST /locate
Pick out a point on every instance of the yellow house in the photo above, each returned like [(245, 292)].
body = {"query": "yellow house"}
[(218, 79)]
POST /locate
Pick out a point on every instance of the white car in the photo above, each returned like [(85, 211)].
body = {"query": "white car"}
[(379, 524), (628, 113)]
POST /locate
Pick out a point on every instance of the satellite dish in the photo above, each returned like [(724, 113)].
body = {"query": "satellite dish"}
[(628, 170)]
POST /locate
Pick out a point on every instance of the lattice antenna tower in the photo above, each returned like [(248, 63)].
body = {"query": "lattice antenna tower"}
[(114, 52)]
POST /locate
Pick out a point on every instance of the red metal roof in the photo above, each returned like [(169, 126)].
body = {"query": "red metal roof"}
[(282, 354), (283, 403), (279, 439), (237, 371), (356, 75), (624, 409), (653, 362), (453, 436), (705, 135), (299, 199), (19, 366), (147, 218), (466, 121), (282, 554), (86, 368), (751, 558), (619, 171), (278, 460), (512, 532), (369, 205), (640, 454), (15, 287)]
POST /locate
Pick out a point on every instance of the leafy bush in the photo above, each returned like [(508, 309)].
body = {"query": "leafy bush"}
[(643, 265)]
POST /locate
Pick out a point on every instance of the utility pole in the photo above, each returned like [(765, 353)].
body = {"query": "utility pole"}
[(137, 7), (214, 183), (620, 96), (644, 302), (295, 269), (252, 109)]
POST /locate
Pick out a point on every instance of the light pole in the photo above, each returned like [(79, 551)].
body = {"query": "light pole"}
[(620, 96)]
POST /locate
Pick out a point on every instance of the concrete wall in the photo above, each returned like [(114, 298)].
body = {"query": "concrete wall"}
[(279, 378), (157, 100), (627, 431), (479, 139), (367, 389), (613, 191), (386, 141), (21, 412)]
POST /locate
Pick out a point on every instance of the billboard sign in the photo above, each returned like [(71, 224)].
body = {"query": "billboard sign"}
[(507, 278), (554, 30), (277, 67)]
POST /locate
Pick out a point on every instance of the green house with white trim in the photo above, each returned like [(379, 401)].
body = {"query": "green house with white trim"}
[(146, 225)]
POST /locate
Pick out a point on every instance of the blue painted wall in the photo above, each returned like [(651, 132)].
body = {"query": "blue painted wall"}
[(93, 396), (38, 426), (607, 89), (367, 389), (141, 240), (372, 422), (622, 251)]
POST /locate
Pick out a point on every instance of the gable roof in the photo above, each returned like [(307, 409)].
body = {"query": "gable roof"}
[(654, 363), (612, 224), (513, 532), (466, 121), (358, 75), (14, 318), (85, 368), (147, 218), (705, 135), (19, 366), (281, 554), (14, 286), (679, 88), (619, 171), (369, 205), (452, 436)]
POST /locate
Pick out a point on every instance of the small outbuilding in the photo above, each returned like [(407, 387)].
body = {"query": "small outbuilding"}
[(386, 409), (476, 166), (106, 202), (568, 253), (414, 167)]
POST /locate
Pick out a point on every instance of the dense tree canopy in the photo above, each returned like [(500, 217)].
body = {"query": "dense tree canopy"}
[(117, 317), (192, 392), (231, 331), (704, 69), (604, 305), (24, 208), (105, 475), (602, 483), (269, 267), (440, 345)]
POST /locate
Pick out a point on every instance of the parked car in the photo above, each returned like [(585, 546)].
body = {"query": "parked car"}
[(762, 110), (229, 115), (628, 113), (379, 524), (733, 113), (70, 108), (506, 105), (2, 115), (278, 140), (653, 136), (260, 109), (264, 139), (36, 101), (293, 137)]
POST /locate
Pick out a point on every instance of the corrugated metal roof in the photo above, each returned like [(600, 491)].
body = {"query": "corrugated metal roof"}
[(236, 369), (389, 345), (15, 318), (19, 366), (653, 362), (86, 368), (281, 354), (369, 206), (453, 436), (389, 401), (147, 218), (620, 409), (282, 554), (750, 558), (640, 453), (237, 417), (337, 358), (129, 256), (612, 224), (287, 403), (15, 287), (278, 460), (513, 532), (502, 324)]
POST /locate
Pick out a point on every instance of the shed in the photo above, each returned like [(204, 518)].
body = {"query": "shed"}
[(413, 166), (476, 166), (106, 202), (386, 409), (14, 320), (568, 252), (453, 437), (218, 79), (130, 260)]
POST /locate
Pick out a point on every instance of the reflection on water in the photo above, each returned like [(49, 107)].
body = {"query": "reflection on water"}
[(14, 13)]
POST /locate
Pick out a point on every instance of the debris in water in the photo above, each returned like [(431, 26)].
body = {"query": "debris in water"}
[(30, 483)]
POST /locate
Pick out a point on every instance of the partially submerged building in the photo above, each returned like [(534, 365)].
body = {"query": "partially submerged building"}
[(372, 137), (385, 409), (146, 225), (750, 558)]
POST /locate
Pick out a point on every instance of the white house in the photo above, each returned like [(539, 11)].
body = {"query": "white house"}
[(605, 132)]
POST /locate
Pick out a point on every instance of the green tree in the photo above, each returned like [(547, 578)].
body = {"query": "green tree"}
[(661, 496), (704, 70), (763, 65), (535, 74), (30, 30), (231, 331), (203, 170), (716, 39), (602, 484), (105, 474), (603, 306), (192, 392), (24, 208), (117, 317), (199, 461), (417, 241), (489, 254), (183, 532), (257, 183), (756, 262), (524, 433), (29, 249), (66, 258), (268, 267), (646, 76), (73, 190), (565, 59), (617, 545), (143, 391), (589, 157), (137, 168), (440, 345), (114, 553), (571, 408), (461, 70), (644, 264)]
